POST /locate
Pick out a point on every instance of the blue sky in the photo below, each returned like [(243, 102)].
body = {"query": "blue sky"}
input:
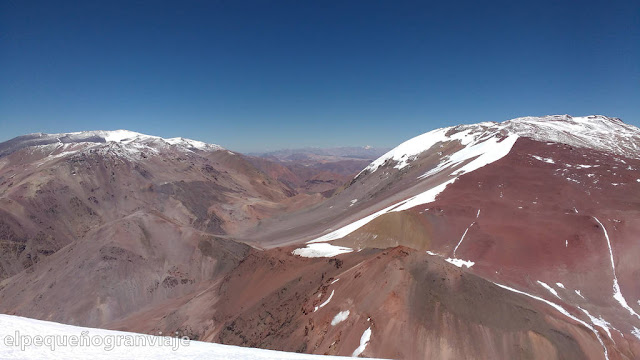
[(266, 75)]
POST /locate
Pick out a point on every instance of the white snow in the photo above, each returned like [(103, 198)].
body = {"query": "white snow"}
[(321, 250), (128, 143), (63, 153), (348, 229), (409, 149), (483, 151), (340, 317), (636, 332), (425, 197), (595, 131), (560, 285), (50, 340), (126, 136), (325, 302), (547, 160), (598, 321), (551, 290), (617, 293), (485, 143), (463, 235), (478, 140), (480, 147), (121, 135), (364, 341), (460, 263), (193, 144), (563, 311), (579, 293)]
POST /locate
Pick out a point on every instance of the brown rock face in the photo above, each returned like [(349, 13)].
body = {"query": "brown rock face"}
[(55, 194), (529, 252)]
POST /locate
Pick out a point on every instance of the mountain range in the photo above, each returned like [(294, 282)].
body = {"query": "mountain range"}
[(493, 240)]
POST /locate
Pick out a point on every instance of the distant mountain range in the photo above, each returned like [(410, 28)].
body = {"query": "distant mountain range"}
[(326, 154)]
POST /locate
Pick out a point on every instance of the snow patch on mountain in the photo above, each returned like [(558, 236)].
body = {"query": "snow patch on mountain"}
[(325, 302), (194, 144), (481, 144), (596, 132), (476, 140), (598, 321), (321, 250), (617, 293), (340, 317), (460, 263), (481, 149), (364, 341), (551, 290), (118, 135), (477, 153), (426, 197), (329, 299), (540, 158), (463, 235), (119, 142)]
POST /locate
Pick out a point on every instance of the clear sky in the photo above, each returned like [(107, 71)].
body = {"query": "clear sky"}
[(266, 75)]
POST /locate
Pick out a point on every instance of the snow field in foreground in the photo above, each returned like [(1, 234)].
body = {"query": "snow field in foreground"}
[(47, 341)]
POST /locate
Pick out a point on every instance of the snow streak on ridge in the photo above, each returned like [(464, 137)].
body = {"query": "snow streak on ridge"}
[(617, 294), (563, 311), (480, 148), (463, 235)]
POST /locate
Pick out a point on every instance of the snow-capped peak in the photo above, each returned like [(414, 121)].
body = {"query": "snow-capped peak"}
[(127, 136), (596, 132), (465, 148), (119, 135), (180, 141), (130, 140)]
